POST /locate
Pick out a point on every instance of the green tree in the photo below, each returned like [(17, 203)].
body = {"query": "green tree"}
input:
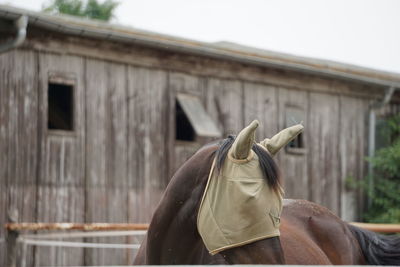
[(81, 8), (385, 194)]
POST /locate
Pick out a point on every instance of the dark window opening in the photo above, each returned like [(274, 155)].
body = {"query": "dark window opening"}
[(184, 129), (297, 142), (60, 107), (293, 116)]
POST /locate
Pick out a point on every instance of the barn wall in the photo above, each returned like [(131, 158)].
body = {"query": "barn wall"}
[(261, 102), (18, 139), (224, 102), (116, 163), (323, 129)]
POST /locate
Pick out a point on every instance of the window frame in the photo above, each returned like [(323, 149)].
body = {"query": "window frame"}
[(66, 79), (202, 123), (289, 110)]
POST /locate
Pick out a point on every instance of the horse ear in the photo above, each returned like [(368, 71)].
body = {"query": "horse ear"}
[(282, 138), (244, 141)]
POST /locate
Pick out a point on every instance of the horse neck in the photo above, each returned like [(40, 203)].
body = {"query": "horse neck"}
[(173, 237)]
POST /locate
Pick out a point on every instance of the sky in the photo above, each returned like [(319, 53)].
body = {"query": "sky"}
[(360, 32)]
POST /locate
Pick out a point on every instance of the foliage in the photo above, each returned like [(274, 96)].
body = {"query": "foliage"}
[(81, 8), (385, 195)]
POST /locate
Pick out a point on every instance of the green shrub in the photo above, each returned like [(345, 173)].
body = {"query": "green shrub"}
[(385, 194)]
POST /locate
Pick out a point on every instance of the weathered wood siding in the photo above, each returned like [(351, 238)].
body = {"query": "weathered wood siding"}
[(323, 131), (294, 166), (18, 139), (61, 174), (224, 102), (147, 143), (353, 138), (106, 162), (261, 102)]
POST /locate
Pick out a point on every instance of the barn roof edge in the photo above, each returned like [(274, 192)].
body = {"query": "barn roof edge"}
[(221, 50)]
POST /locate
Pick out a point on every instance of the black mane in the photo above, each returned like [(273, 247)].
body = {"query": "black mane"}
[(268, 165)]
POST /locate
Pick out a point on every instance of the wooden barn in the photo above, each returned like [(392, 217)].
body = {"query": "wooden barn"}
[(95, 119)]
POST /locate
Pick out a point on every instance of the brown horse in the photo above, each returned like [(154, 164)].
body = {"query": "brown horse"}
[(310, 234)]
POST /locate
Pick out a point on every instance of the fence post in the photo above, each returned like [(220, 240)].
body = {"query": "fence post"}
[(11, 260), (11, 239)]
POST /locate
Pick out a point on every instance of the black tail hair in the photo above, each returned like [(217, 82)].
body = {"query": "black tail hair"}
[(378, 249), (268, 165)]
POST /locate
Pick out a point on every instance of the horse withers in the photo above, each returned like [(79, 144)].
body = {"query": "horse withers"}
[(308, 233)]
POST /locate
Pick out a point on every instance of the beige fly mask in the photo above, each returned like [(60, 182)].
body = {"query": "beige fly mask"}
[(238, 206)]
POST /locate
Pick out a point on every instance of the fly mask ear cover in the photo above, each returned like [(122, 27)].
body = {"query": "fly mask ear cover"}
[(281, 139), (238, 206), (241, 148)]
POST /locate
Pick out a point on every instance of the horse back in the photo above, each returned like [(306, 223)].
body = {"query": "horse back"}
[(311, 234)]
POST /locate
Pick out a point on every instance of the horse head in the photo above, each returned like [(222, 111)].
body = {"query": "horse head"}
[(176, 235)]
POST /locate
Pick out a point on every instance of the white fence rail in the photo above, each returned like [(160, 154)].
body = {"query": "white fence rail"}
[(18, 243)]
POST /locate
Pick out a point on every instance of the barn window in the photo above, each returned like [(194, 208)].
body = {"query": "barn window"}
[(184, 130), (192, 120), (295, 115), (60, 106), (297, 142)]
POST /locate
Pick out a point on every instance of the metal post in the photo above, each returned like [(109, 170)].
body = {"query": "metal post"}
[(371, 138), (371, 153)]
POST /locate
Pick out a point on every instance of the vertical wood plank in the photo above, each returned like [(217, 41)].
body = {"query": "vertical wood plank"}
[(60, 204), (224, 102), (352, 143), (97, 121), (324, 150), (108, 205), (147, 128), (18, 137), (5, 69), (294, 167), (260, 102), (107, 153), (22, 119), (117, 128), (61, 158)]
